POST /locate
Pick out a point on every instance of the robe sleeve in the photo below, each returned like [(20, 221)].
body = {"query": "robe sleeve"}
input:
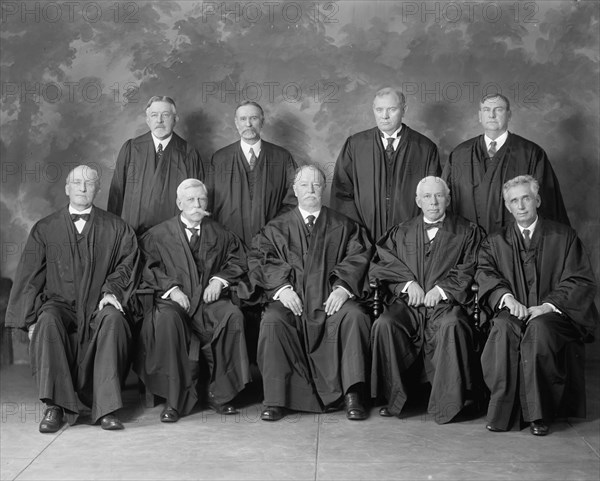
[(353, 270), (289, 201), (194, 164), (387, 267), (30, 280), (574, 293), (125, 276), (552, 206), (492, 284), (342, 187), (457, 282), (154, 273), (267, 268), (234, 267), (116, 192)]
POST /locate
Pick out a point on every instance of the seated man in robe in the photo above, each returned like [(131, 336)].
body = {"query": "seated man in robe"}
[(72, 285), (536, 280), (426, 266), (313, 347), (191, 261)]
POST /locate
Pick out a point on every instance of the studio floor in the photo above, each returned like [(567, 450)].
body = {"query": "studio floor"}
[(208, 446)]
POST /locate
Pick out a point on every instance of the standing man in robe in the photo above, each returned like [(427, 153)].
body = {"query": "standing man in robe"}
[(71, 290), (250, 181), (478, 168), (536, 279), (150, 167), (378, 170), (192, 262), (313, 347), (427, 266)]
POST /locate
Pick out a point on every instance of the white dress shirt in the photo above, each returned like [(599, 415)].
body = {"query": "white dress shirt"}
[(255, 148), (80, 224), (395, 136)]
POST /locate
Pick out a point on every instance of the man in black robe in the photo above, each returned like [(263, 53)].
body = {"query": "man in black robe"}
[(536, 279), (191, 262), (72, 285), (150, 167), (478, 168), (250, 181), (378, 170), (426, 265), (313, 347)]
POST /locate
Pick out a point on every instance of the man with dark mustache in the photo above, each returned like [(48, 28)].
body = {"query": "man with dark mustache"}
[(250, 181)]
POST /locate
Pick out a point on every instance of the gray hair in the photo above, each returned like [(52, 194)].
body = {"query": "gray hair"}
[(534, 185), (254, 104), (314, 168), (161, 98), (389, 90), (87, 173), (188, 184), (435, 179)]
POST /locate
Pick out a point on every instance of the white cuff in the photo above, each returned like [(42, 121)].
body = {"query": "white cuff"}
[(444, 296), (350, 295), (168, 293), (503, 299), (280, 290), (222, 281), (405, 290)]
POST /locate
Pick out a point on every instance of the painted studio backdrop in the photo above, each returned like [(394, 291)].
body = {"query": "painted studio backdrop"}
[(76, 76)]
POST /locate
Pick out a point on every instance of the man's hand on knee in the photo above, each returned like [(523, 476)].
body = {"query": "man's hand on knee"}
[(290, 299), (112, 300), (535, 311), (516, 308), (335, 301), (178, 296)]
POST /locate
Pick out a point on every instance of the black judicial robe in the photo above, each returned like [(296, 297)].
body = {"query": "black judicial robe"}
[(144, 195), (564, 273), (361, 185), (169, 262), (337, 252), (476, 193), (244, 200), (59, 274), (531, 377), (400, 258)]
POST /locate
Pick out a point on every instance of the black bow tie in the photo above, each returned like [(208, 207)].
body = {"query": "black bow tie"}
[(433, 225), (76, 217)]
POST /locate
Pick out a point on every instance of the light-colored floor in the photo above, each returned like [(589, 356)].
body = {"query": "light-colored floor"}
[(208, 446)]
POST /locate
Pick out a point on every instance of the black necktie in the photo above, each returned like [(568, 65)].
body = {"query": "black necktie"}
[(310, 223), (389, 150), (195, 237), (526, 238), (253, 159), (433, 225), (76, 217), (159, 155)]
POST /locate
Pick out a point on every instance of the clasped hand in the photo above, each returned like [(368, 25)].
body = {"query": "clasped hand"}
[(417, 296)]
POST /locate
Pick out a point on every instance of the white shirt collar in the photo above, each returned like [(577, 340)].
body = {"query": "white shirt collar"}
[(164, 142), (531, 228), (305, 214), (255, 148), (499, 141), (84, 211)]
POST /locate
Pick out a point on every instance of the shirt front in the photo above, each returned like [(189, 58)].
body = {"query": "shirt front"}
[(395, 136), (256, 148), (499, 141), (163, 142), (80, 224)]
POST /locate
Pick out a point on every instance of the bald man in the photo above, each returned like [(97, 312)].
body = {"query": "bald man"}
[(71, 290), (192, 263), (378, 170), (426, 266)]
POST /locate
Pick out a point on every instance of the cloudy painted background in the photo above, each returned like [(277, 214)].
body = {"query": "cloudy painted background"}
[(75, 77)]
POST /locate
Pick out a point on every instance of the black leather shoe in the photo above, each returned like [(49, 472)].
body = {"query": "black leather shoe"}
[(169, 415), (226, 408), (494, 429), (355, 411), (110, 422), (52, 420), (385, 412), (539, 428), (272, 413)]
